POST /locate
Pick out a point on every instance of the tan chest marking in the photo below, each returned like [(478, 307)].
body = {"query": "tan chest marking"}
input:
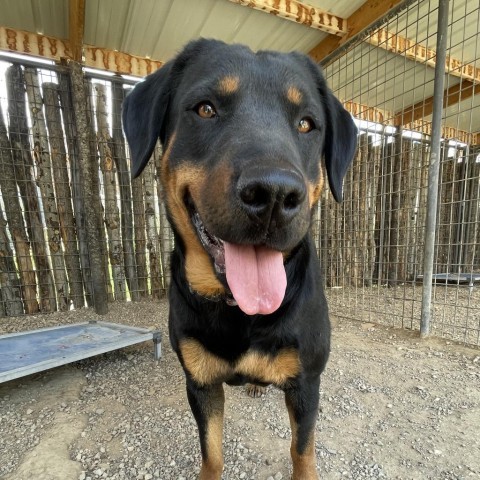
[(206, 368)]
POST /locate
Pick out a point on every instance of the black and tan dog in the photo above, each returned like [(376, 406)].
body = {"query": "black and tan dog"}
[(244, 135)]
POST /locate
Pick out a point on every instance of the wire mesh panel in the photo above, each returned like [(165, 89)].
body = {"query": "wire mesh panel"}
[(372, 246)]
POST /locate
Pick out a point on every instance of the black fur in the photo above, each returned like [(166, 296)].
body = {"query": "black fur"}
[(254, 130)]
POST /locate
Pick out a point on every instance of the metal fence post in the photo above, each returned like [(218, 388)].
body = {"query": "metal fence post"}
[(434, 168)]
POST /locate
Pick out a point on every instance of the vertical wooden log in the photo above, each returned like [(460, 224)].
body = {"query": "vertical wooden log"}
[(394, 247), (3, 312), (379, 212), (77, 190), (98, 188), (41, 155), (10, 286), (330, 240), (26, 183), (361, 227), (123, 173), (422, 201), (472, 213), (152, 235), (458, 212), (89, 172), (165, 231), (405, 172), (140, 234), (63, 192), (13, 212), (371, 198), (444, 222), (112, 214), (163, 257), (412, 203)]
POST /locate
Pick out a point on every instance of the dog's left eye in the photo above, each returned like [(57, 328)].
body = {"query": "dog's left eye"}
[(205, 110), (305, 125)]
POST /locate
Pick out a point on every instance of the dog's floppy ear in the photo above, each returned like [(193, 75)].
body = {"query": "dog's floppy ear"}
[(144, 112), (340, 134), (340, 143)]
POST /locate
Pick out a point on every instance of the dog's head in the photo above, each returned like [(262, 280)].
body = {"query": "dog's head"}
[(244, 135)]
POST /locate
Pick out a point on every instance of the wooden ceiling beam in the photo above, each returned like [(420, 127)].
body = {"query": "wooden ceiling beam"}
[(420, 53), (363, 17), (18, 41), (77, 28), (451, 96), (301, 13), (386, 118)]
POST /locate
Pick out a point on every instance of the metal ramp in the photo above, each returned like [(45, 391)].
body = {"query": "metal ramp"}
[(33, 351)]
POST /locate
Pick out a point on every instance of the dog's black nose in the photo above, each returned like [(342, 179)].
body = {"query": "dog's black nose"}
[(273, 196)]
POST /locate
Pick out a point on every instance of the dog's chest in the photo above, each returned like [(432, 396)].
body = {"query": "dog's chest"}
[(207, 368)]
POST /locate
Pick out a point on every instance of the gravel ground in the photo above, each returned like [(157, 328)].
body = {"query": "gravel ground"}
[(393, 406)]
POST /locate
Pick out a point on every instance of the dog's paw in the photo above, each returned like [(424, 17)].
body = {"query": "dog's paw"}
[(255, 391)]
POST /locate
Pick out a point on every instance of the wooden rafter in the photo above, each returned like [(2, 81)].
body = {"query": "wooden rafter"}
[(300, 12), (362, 18), (375, 115), (364, 112), (55, 49), (452, 95), (76, 28), (420, 53)]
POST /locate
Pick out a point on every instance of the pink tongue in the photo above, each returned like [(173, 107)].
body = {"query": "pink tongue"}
[(256, 276)]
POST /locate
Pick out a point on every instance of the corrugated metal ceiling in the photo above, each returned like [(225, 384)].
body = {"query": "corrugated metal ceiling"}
[(158, 29)]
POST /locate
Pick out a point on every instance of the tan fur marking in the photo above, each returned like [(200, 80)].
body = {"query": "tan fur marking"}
[(204, 367), (294, 95), (314, 191), (304, 465), (276, 369), (228, 85), (198, 267), (212, 466)]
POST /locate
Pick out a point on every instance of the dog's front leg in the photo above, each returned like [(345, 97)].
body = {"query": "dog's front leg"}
[(207, 406), (302, 405)]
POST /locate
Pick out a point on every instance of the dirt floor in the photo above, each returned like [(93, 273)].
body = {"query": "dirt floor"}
[(393, 406)]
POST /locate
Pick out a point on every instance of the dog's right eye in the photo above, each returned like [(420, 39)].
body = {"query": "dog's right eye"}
[(205, 110)]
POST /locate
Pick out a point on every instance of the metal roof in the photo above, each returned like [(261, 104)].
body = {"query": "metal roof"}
[(373, 76)]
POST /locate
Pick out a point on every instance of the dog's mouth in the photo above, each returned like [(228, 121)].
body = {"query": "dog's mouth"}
[(254, 274), (213, 245)]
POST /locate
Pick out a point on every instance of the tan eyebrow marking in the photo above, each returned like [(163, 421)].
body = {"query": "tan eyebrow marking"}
[(294, 95), (228, 85)]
